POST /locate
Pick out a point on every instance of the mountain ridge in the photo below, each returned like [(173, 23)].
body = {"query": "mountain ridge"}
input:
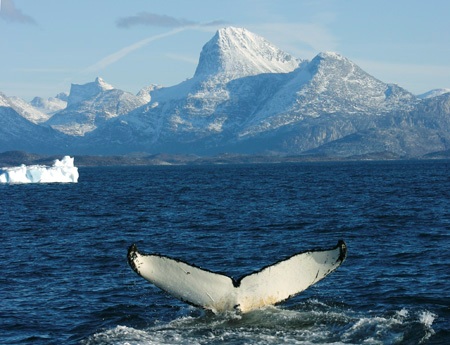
[(249, 97), (91, 104)]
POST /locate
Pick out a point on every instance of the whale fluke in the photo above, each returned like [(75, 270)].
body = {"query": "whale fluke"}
[(217, 292)]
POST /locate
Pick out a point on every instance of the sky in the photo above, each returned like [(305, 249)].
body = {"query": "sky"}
[(46, 45)]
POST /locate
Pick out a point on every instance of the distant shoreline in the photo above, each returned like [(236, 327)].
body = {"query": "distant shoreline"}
[(16, 158)]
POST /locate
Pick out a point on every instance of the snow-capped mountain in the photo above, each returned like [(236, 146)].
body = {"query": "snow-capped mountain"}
[(329, 84), (85, 92), (219, 108), (92, 104), (237, 53), (50, 105), (190, 107), (433, 93), (27, 110), (247, 96), (19, 133), (232, 54)]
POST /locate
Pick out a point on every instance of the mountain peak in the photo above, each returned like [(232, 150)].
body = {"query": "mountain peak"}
[(79, 93), (330, 55), (331, 83), (48, 106), (333, 64), (103, 85), (237, 52)]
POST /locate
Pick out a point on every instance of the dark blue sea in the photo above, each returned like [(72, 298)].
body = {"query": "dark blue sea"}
[(64, 277)]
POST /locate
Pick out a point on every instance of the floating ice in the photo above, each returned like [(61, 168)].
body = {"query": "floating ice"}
[(61, 171)]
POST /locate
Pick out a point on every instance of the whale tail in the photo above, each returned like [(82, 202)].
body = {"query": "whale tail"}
[(217, 292)]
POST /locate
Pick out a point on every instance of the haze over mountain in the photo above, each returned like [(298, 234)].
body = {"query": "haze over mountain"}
[(246, 96)]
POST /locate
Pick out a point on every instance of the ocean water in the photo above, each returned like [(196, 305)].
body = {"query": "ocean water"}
[(64, 277)]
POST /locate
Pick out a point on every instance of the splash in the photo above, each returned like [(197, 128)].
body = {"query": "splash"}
[(310, 324)]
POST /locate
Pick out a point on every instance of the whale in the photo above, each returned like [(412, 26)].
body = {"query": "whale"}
[(220, 293)]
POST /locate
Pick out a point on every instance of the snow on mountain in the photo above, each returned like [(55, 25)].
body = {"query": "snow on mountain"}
[(27, 110), (209, 107), (236, 53), (145, 93), (433, 93), (248, 96), (190, 107), (415, 133), (80, 93), (339, 85), (90, 105), (19, 133), (328, 84), (50, 105)]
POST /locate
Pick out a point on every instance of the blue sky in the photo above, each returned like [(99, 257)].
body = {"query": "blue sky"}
[(45, 45)]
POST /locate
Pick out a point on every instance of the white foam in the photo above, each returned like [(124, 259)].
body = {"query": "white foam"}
[(273, 325), (121, 335), (61, 171), (427, 318)]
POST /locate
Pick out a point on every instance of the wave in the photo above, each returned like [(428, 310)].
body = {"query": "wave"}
[(309, 323)]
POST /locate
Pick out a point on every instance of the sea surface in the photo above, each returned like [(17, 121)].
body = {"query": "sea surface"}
[(64, 276)]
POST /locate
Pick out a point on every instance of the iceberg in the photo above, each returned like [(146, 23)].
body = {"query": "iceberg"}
[(62, 171)]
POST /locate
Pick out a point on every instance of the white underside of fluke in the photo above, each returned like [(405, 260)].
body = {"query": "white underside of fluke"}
[(217, 292)]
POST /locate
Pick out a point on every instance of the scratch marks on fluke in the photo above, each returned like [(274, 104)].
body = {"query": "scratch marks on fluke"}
[(132, 256), (217, 292)]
